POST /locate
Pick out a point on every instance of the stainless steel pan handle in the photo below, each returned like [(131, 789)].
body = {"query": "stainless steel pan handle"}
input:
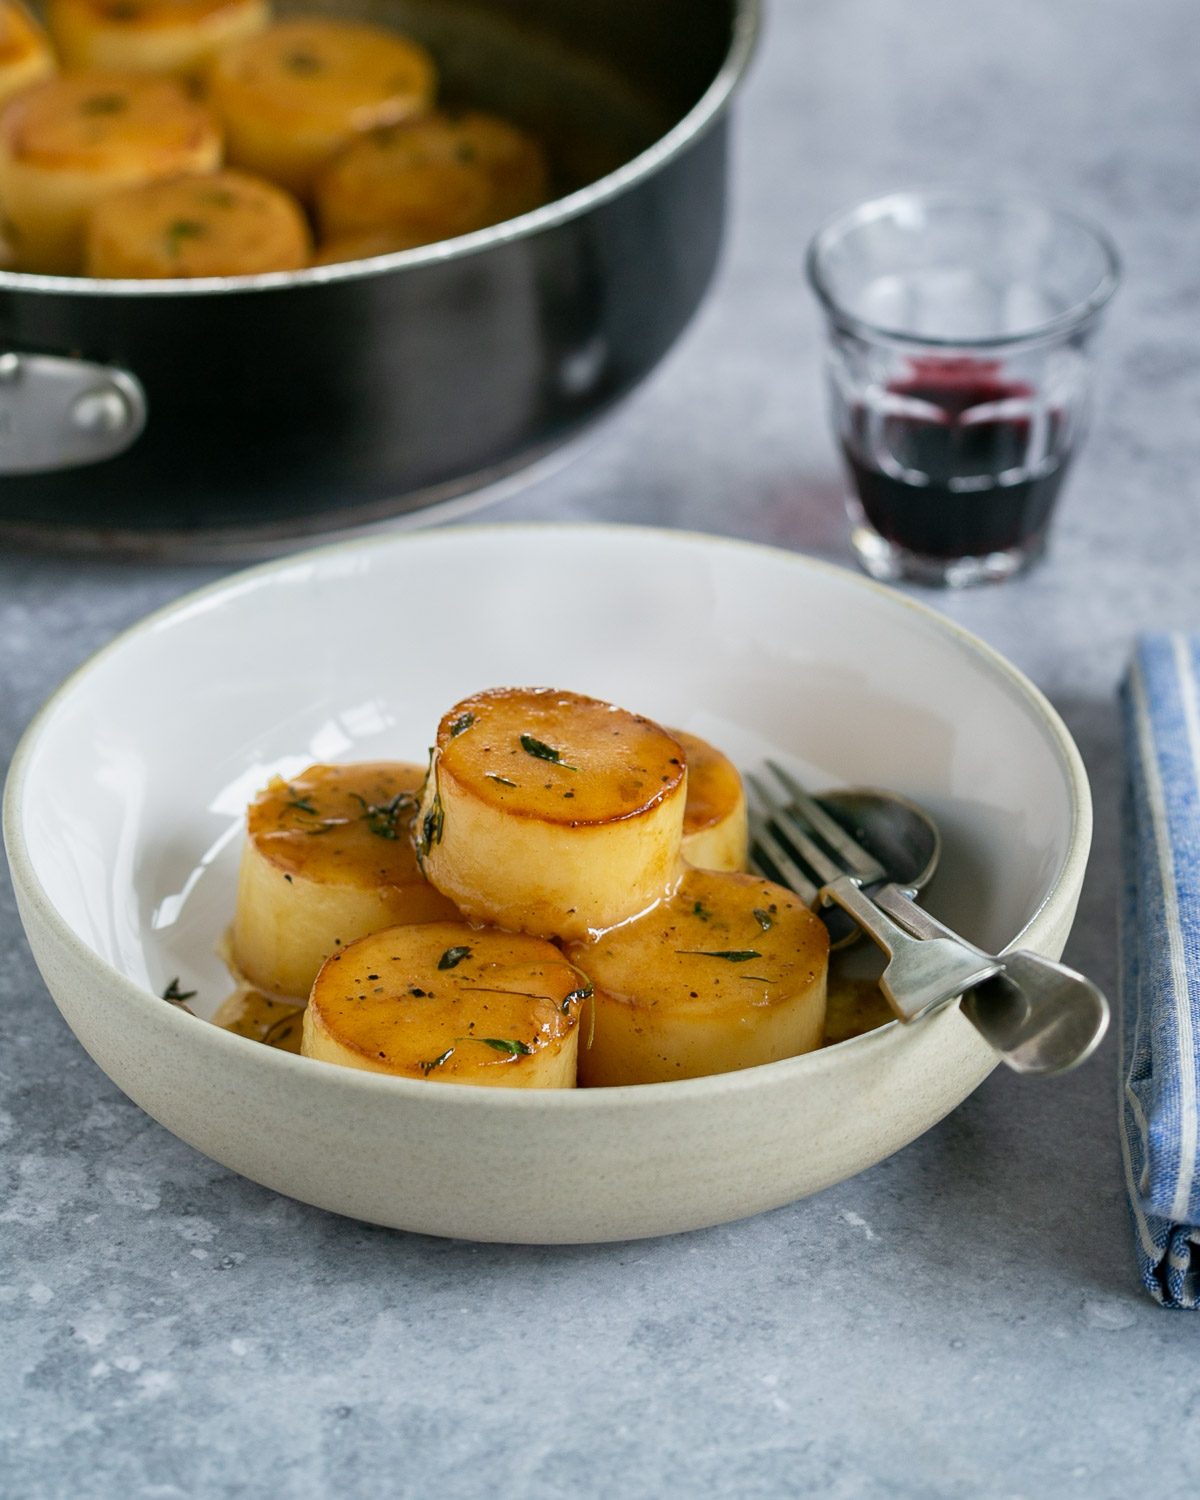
[(58, 413)]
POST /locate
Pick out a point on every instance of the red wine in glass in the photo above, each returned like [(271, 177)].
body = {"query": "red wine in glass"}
[(957, 461)]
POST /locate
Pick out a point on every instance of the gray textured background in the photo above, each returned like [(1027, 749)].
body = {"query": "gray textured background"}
[(964, 1319)]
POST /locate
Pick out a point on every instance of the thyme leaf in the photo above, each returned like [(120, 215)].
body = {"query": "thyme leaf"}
[(428, 1067), (104, 104), (453, 957), (502, 1044), (764, 918), (461, 725), (432, 825), (585, 992), (730, 955), (280, 1030), (541, 751), (181, 230), (381, 817), (177, 996), (503, 780)]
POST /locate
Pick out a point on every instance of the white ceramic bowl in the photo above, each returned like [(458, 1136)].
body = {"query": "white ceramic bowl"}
[(122, 821)]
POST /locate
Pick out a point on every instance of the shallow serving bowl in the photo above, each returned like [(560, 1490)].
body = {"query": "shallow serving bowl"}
[(124, 803)]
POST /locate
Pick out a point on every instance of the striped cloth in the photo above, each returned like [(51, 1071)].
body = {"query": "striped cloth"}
[(1160, 964)]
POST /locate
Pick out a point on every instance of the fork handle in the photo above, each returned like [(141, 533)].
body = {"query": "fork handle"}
[(1040, 1016), (922, 972)]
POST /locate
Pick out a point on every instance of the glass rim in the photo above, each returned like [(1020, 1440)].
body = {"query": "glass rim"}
[(1073, 317)]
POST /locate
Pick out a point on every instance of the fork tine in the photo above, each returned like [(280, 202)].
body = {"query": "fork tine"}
[(784, 867), (787, 832), (854, 857)]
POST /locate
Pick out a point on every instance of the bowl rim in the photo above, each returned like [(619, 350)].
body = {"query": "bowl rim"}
[(744, 31), (33, 896)]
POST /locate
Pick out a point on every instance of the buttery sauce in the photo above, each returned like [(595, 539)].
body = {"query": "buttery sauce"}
[(854, 1005), (262, 1018)]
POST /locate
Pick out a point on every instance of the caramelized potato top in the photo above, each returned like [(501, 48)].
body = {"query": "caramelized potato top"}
[(320, 72), (714, 785), (722, 942), (557, 757), (344, 823), (144, 15), (444, 1000), (91, 122), (433, 178), (211, 224)]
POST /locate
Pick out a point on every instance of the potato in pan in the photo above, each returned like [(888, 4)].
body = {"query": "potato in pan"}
[(67, 143), (290, 96), (431, 179), (150, 36), (25, 55), (217, 224)]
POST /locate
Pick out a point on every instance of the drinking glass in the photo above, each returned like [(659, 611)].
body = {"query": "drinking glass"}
[(959, 370)]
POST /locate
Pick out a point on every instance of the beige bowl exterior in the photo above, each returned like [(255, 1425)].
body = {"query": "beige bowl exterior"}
[(585, 1165)]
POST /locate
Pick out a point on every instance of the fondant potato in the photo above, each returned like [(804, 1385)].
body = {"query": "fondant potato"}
[(431, 179), (69, 142), (290, 96), (25, 55), (715, 833), (728, 973), (551, 813), (151, 36), (452, 1004), (220, 224), (327, 859)]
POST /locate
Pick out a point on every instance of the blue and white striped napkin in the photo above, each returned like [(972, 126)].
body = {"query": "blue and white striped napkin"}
[(1160, 968)]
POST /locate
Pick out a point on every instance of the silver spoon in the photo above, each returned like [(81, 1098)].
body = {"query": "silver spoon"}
[(898, 833), (1040, 1016)]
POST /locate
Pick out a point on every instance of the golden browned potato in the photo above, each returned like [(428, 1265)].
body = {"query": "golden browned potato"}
[(220, 224), (715, 835), (292, 95), (151, 36), (551, 813), (25, 55), (67, 143), (431, 179), (451, 1003), (327, 859), (728, 973)]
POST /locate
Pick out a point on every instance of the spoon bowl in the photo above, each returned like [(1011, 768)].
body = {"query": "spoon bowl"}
[(900, 834)]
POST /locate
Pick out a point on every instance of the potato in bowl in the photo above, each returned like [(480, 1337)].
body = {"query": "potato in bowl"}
[(123, 812)]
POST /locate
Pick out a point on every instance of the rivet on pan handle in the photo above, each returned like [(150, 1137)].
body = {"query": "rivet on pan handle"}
[(60, 413)]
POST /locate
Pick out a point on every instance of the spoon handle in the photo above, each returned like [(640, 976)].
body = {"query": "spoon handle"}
[(1040, 1016)]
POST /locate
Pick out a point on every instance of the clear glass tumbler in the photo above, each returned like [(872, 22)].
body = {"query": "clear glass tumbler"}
[(959, 372)]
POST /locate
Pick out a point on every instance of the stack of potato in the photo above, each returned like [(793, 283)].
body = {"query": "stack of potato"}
[(186, 138), (540, 880)]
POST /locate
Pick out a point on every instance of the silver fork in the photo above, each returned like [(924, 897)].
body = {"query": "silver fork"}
[(1040, 1016)]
